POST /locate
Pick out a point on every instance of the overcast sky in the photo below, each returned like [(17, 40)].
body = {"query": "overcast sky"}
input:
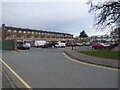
[(69, 17)]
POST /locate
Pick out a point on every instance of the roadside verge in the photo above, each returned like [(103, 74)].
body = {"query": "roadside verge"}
[(93, 60)]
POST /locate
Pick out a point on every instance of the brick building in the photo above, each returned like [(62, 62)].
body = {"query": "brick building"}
[(104, 39), (115, 34), (84, 39), (32, 34)]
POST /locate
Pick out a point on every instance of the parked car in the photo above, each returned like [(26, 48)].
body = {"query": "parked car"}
[(105, 44), (23, 46), (99, 46), (78, 44), (113, 44), (60, 45), (70, 44), (87, 44), (83, 43)]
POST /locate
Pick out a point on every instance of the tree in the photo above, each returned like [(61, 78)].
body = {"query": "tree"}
[(106, 13), (83, 34)]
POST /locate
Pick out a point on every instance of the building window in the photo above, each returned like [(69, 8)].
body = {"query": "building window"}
[(9, 30), (24, 32), (15, 31), (7, 34), (20, 31), (14, 36)]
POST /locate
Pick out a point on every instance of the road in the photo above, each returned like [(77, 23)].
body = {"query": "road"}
[(48, 68)]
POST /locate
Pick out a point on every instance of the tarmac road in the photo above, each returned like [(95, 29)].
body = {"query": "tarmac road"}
[(48, 68)]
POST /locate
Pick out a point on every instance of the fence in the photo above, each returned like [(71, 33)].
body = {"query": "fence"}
[(7, 45)]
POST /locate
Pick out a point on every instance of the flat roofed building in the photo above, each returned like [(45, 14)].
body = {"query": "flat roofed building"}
[(30, 34)]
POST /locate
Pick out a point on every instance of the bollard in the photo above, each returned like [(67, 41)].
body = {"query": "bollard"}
[(72, 47)]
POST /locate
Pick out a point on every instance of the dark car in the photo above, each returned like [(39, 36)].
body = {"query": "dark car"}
[(114, 44), (23, 47)]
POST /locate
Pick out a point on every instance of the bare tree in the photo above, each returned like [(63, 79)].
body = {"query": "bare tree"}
[(106, 13)]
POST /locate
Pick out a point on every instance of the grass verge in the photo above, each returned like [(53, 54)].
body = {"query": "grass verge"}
[(103, 54)]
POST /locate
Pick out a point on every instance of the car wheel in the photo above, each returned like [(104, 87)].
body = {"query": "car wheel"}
[(104, 48), (93, 48)]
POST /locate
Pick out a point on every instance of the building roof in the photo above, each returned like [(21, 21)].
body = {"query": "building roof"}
[(27, 29)]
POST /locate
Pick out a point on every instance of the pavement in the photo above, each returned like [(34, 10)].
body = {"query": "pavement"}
[(5, 80), (117, 48), (114, 63), (49, 68)]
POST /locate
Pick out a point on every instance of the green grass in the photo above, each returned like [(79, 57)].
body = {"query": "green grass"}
[(103, 54)]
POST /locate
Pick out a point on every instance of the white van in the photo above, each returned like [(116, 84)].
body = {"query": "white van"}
[(40, 43)]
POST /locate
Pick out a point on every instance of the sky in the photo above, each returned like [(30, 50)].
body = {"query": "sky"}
[(68, 17)]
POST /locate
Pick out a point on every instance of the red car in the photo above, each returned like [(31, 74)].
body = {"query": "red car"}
[(70, 44), (99, 46)]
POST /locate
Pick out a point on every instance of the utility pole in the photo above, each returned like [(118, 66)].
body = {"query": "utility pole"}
[(3, 32)]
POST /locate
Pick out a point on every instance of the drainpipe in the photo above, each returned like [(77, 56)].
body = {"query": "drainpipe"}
[(15, 44)]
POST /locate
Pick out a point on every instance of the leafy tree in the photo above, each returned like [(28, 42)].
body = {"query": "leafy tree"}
[(107, 13), (83, 34)]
